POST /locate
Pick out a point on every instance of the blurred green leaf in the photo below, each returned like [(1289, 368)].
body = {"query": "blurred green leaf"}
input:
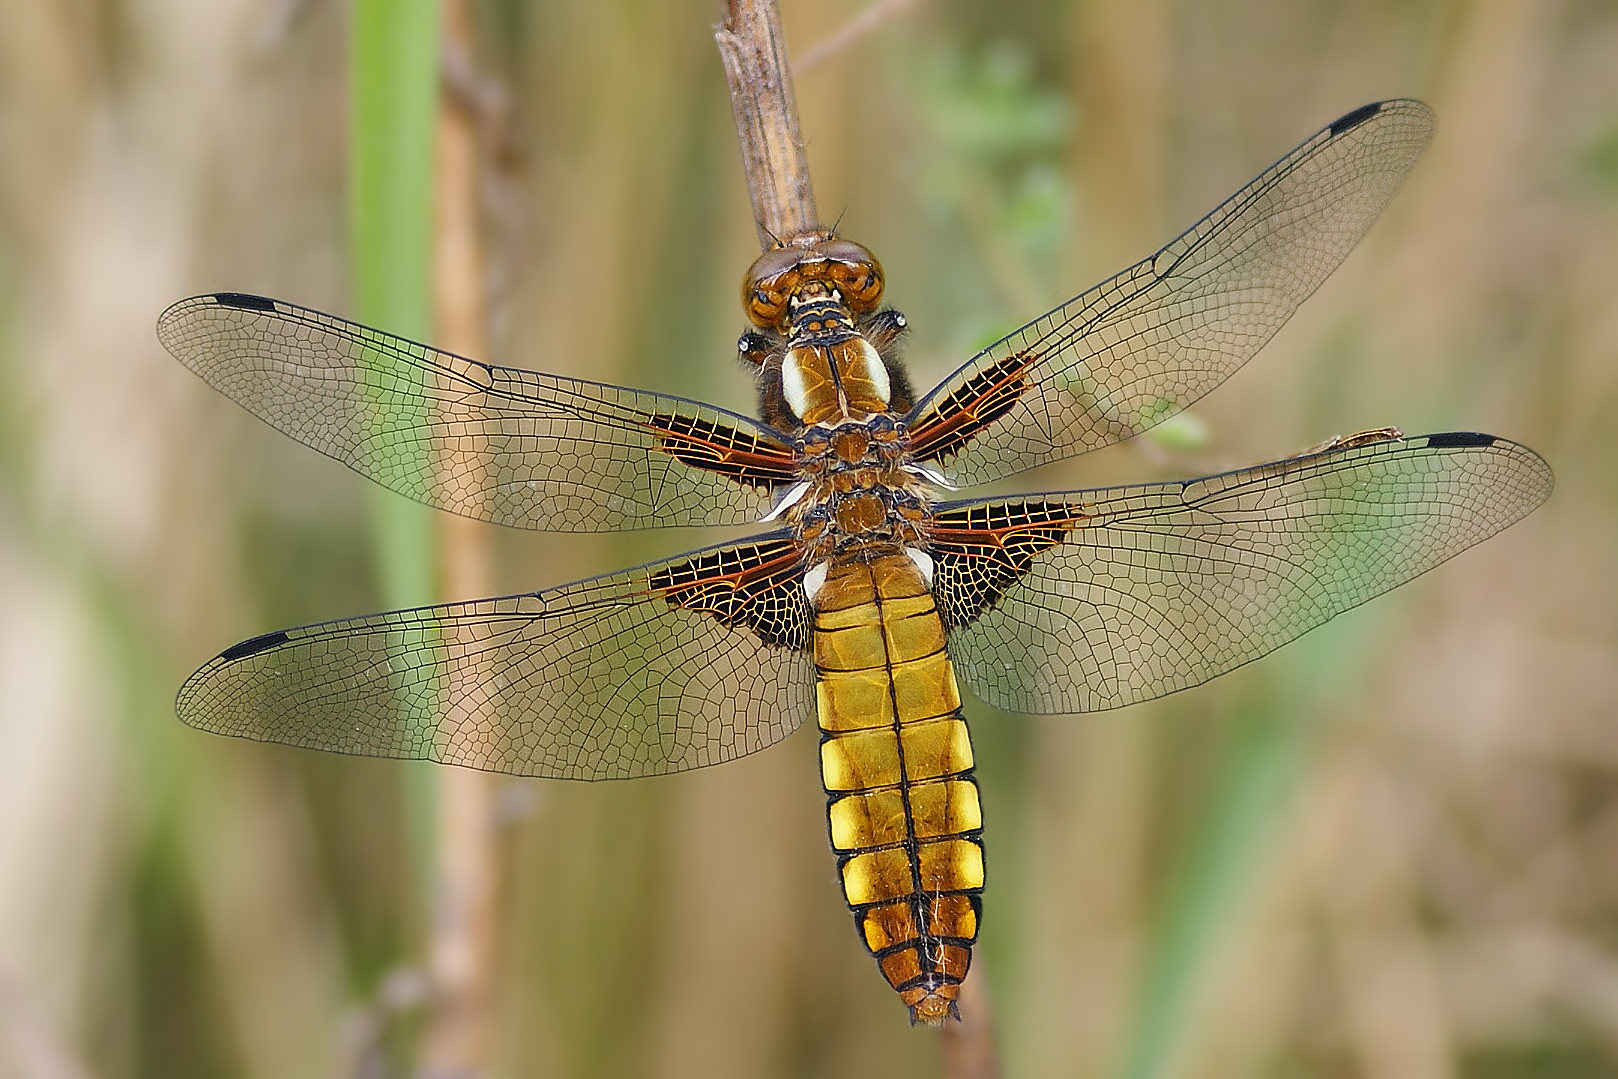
[(395, 91), (1600, 160)]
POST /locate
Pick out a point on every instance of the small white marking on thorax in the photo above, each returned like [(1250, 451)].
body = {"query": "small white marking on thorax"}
[(876, 371), (792, 384)]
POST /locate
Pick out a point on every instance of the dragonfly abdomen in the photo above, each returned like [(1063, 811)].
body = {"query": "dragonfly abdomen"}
[(896, 761)]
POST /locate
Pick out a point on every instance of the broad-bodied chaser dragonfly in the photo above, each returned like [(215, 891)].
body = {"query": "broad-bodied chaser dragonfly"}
[(873, 594)]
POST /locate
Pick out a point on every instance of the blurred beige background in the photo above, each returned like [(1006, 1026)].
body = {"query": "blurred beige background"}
[(1389, 850)]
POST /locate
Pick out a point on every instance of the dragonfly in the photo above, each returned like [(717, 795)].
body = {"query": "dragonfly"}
[(871, 593)]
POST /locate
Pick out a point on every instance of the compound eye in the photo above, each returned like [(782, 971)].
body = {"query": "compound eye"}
[(765, 303), (768, 284), (860, 286), (840, 250), (855, 272)]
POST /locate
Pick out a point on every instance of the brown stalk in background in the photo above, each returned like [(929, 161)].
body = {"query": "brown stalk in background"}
[(850, 32), (469, 870), (778, 183)]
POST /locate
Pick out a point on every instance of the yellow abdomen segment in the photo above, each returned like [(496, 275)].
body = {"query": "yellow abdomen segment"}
[(897, 766)]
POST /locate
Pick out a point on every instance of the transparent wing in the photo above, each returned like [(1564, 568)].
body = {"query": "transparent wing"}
[(1090, 600), (496, 443), (663, 668), (1135, 350)]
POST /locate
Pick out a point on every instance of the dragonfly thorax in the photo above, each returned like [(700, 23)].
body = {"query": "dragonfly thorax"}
[(838, 520), (821, 383), (859, 486)]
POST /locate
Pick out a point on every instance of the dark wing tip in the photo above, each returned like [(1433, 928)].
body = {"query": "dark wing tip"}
[(175, 317), (1350, 121), (246, 301), (255, 646), (1460, 440)]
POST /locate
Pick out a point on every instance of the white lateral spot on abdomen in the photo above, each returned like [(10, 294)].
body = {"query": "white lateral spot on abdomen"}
[(815, 580), (923, 561)]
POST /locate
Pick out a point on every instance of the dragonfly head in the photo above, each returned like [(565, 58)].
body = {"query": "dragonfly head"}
[(810, 263)]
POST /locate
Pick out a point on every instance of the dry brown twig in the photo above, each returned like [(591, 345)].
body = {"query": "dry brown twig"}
[(462, 952), (773, 158)]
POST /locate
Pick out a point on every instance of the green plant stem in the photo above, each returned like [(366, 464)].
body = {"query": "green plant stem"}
[(395, 82)]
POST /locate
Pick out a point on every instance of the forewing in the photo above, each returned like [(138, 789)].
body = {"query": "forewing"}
[(1090, 600), (1135, 350), (495, 443), (662, 668)]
